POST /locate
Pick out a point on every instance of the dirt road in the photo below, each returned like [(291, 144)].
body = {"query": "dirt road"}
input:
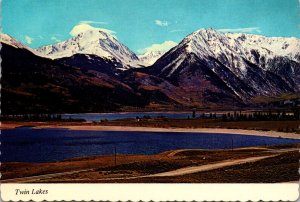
[(202, 168)]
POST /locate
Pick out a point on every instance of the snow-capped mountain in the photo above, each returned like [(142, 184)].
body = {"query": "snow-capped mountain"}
[(154, 52), (231, 49), (92, 42), (240, 65), (149, 58)]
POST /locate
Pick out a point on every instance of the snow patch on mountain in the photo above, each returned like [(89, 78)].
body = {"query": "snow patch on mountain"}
[(174, 65)]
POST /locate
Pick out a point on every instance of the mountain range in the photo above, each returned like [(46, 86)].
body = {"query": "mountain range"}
[(94, 72)]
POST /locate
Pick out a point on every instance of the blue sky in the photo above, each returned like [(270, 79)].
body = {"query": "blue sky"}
[(141, 23)]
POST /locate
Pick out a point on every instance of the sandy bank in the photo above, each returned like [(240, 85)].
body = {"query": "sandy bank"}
[(194, 130), (80, 126)]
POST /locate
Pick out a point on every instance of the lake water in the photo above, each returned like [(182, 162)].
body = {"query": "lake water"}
[(47, 145), (115, 116)]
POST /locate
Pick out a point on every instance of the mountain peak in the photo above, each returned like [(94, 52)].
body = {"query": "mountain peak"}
[(206, 33), (97, 42), (94, 35), (204, 30), (205, 42), (211, 43)]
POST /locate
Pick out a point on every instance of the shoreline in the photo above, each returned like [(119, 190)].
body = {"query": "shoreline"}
[(191, 130), (42, 125)]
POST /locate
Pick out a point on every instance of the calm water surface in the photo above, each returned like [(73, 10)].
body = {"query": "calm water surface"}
[(47, 145)]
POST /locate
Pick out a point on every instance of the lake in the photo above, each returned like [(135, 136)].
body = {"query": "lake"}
[(125, 115), (48, 145)]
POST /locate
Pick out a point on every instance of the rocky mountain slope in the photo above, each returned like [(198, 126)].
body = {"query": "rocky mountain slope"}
[(241, 66)]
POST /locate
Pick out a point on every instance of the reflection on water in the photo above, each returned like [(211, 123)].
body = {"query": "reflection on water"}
[(45, 145)]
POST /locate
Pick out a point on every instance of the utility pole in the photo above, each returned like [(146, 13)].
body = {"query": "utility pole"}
[(115, 156)]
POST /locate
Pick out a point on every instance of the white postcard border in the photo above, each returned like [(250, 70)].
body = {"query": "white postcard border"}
[(154, 192)]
